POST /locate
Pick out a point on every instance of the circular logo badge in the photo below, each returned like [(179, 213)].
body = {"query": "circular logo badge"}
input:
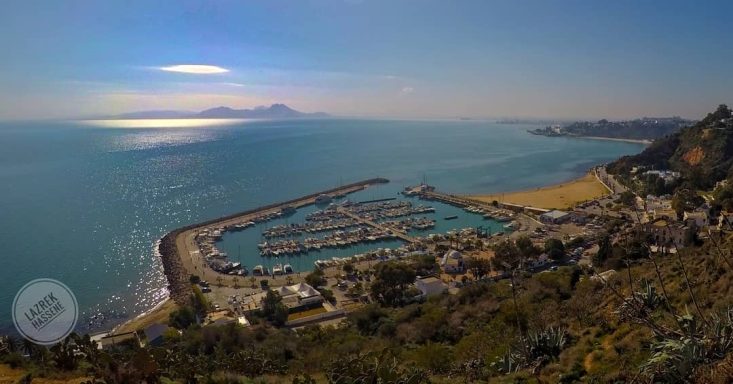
[(45, 311)]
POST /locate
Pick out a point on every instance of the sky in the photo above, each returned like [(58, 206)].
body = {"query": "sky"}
[(372, 58)]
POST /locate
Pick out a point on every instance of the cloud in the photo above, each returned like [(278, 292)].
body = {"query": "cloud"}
[(408, 90), (195, 69)]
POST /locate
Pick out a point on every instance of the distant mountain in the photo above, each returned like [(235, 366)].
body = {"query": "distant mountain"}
[(647, 128), (702, 153), (275, 111)]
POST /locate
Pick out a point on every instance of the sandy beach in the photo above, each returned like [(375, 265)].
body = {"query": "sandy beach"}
[(560, 196)]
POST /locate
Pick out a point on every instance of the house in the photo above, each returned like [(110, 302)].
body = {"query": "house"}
[(154, 334), (118, 341), (299, 296), (555, 217), (452, 262), (699, 217), (670, 234), (218, 318), (430, 286)]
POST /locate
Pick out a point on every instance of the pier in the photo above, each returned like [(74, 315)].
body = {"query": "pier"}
[(181, 256), (399, 234)]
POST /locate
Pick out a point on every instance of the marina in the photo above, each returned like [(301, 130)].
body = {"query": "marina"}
[(296, 236)]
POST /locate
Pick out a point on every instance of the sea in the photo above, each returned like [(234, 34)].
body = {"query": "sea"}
[(85, 202)]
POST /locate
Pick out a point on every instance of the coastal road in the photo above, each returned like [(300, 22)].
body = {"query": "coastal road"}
[(610, 181)]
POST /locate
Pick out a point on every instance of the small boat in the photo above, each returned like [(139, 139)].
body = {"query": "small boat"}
[(323, 199), (277, 269), (287, 210), (450, 217), (257, 271), (288, 269)]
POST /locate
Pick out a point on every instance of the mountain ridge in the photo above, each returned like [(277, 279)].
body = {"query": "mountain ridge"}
[(274, 111)]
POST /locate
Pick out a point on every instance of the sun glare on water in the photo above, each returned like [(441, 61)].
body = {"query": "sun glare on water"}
[(162, 123)]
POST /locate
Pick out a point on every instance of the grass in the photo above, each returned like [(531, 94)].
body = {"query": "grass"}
[(159, 315), (310, 312)]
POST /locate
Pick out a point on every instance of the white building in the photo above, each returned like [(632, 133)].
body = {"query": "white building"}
[(555, 217), (452, 262), (699, 217), (430, 286)]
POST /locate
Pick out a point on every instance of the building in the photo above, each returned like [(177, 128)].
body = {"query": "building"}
[(452, 262), (667, 176), (671, 234), (430, 286), (154, 334), (699, 217), (299, 296), (555, 217)]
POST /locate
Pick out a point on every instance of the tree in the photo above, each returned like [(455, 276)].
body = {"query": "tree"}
[(684, 199), (348, 268), (391, 281), (627, 198), (526, 247), (479, 267), (555, 249), (424, 264), (273, 309), (315, 279), (253, 281), (605, 251), (182, 318), (506, 256)]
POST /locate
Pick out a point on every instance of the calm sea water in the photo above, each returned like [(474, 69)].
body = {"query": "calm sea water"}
[(85, 204)]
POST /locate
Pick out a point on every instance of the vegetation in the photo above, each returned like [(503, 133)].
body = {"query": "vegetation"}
[(646, 128), (658, 319), (702, 153)]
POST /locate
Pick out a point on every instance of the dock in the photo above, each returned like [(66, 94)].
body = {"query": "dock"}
[(399, 234), (181, 257)]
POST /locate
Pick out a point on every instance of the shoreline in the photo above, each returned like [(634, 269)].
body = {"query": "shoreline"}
[(555, 196), (177, 268)]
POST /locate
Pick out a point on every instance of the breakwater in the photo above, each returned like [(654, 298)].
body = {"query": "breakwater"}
[(178, 266)]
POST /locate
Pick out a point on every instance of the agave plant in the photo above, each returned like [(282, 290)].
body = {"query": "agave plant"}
[(677, 359), (641, 303), (545, 344), (373, 367)]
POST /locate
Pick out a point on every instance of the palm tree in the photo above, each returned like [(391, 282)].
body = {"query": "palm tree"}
[(289, 280), (253, 280)]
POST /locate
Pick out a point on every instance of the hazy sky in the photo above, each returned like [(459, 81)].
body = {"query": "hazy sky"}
[(417, 58)]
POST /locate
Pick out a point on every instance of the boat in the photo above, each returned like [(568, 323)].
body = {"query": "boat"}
[(288, 210), (288, 269), (257, 270), (450, 217), (277, 269), (323, 199)]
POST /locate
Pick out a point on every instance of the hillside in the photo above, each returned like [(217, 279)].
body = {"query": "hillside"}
[(703, 152), (639, 129)]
